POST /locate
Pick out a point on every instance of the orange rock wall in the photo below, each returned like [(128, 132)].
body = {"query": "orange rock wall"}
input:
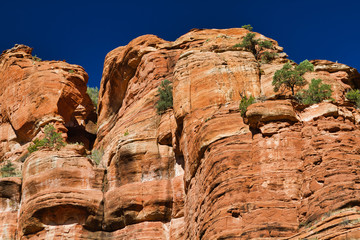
[(200, 170)]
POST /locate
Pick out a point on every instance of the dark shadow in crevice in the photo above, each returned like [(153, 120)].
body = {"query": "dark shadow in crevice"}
[(78, 134)]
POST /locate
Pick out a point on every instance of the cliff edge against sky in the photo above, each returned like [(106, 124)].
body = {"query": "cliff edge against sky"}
[(198, 171)]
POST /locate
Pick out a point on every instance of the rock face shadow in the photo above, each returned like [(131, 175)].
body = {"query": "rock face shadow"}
[(62, 215)]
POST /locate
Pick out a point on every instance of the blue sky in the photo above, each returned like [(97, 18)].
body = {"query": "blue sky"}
[(83, 32)]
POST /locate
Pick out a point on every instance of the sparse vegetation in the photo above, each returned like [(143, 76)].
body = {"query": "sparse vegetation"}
[(126, 133), (317, 92), (267, 57), (248, 27), (290, 77), (248, 43), (8, 170), (166, 98), (254, 45), (71, 71), (245, 103), (96, 155), (93, 93), (52, 140), (36, 58), (354, 96), (265, 44)]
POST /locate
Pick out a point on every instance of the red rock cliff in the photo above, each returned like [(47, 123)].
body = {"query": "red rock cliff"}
[(199, 171)]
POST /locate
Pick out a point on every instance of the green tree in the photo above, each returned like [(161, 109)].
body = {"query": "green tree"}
[(8, 170), (36, 145), (248, 43), (290, 77), (248, 27), (354, 96), (245, 103), (93, 93), (265, 44), (52, 140), (317, 92), (166, 98), (254, 45), (267, 57)]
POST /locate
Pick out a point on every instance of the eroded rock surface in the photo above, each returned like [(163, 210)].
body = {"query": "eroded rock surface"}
[(200, 170)]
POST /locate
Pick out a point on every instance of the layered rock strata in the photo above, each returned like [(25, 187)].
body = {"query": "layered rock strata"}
[(200, 170)]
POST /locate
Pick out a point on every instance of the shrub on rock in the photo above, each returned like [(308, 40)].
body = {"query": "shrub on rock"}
[(245, 103), (166, 98), (354, 96), (52, 140), (248, 27), (8, 170), (290, 77), (317, 92)]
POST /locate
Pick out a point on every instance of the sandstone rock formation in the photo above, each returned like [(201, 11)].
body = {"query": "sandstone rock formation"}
[(198, 171), (36, 93)]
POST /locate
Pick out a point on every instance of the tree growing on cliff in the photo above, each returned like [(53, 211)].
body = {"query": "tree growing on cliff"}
[(248, 27), (267, 57), (290, 77), (8, 170), (245, 103), (248, 43), (52, 140), (354, 96), (165, 97), (254, 45), (317, 92)]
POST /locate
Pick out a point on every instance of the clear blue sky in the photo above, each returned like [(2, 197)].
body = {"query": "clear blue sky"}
[(83, 32)]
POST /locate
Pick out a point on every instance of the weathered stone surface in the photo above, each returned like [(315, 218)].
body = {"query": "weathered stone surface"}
[(10, 191), (237, 183), (25, 104), (200, 170), (36, 93), (208, 78), (318, 110), (279, 110), (60, 188)]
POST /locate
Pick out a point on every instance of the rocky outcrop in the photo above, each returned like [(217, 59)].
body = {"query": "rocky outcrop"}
[(54, 189), (10, 191), (60, 188), (36, 93), (241, 178), (198, 171)]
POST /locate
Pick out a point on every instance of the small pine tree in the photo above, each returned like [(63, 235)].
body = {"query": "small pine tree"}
[(245, 103), (248, 27), (52, 140), (8, 170), (254, 45), (267, 57), (36, 145), (166, 98), (265, 44), (289, 77), (248, 43), (354, 96), (317, 92)]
